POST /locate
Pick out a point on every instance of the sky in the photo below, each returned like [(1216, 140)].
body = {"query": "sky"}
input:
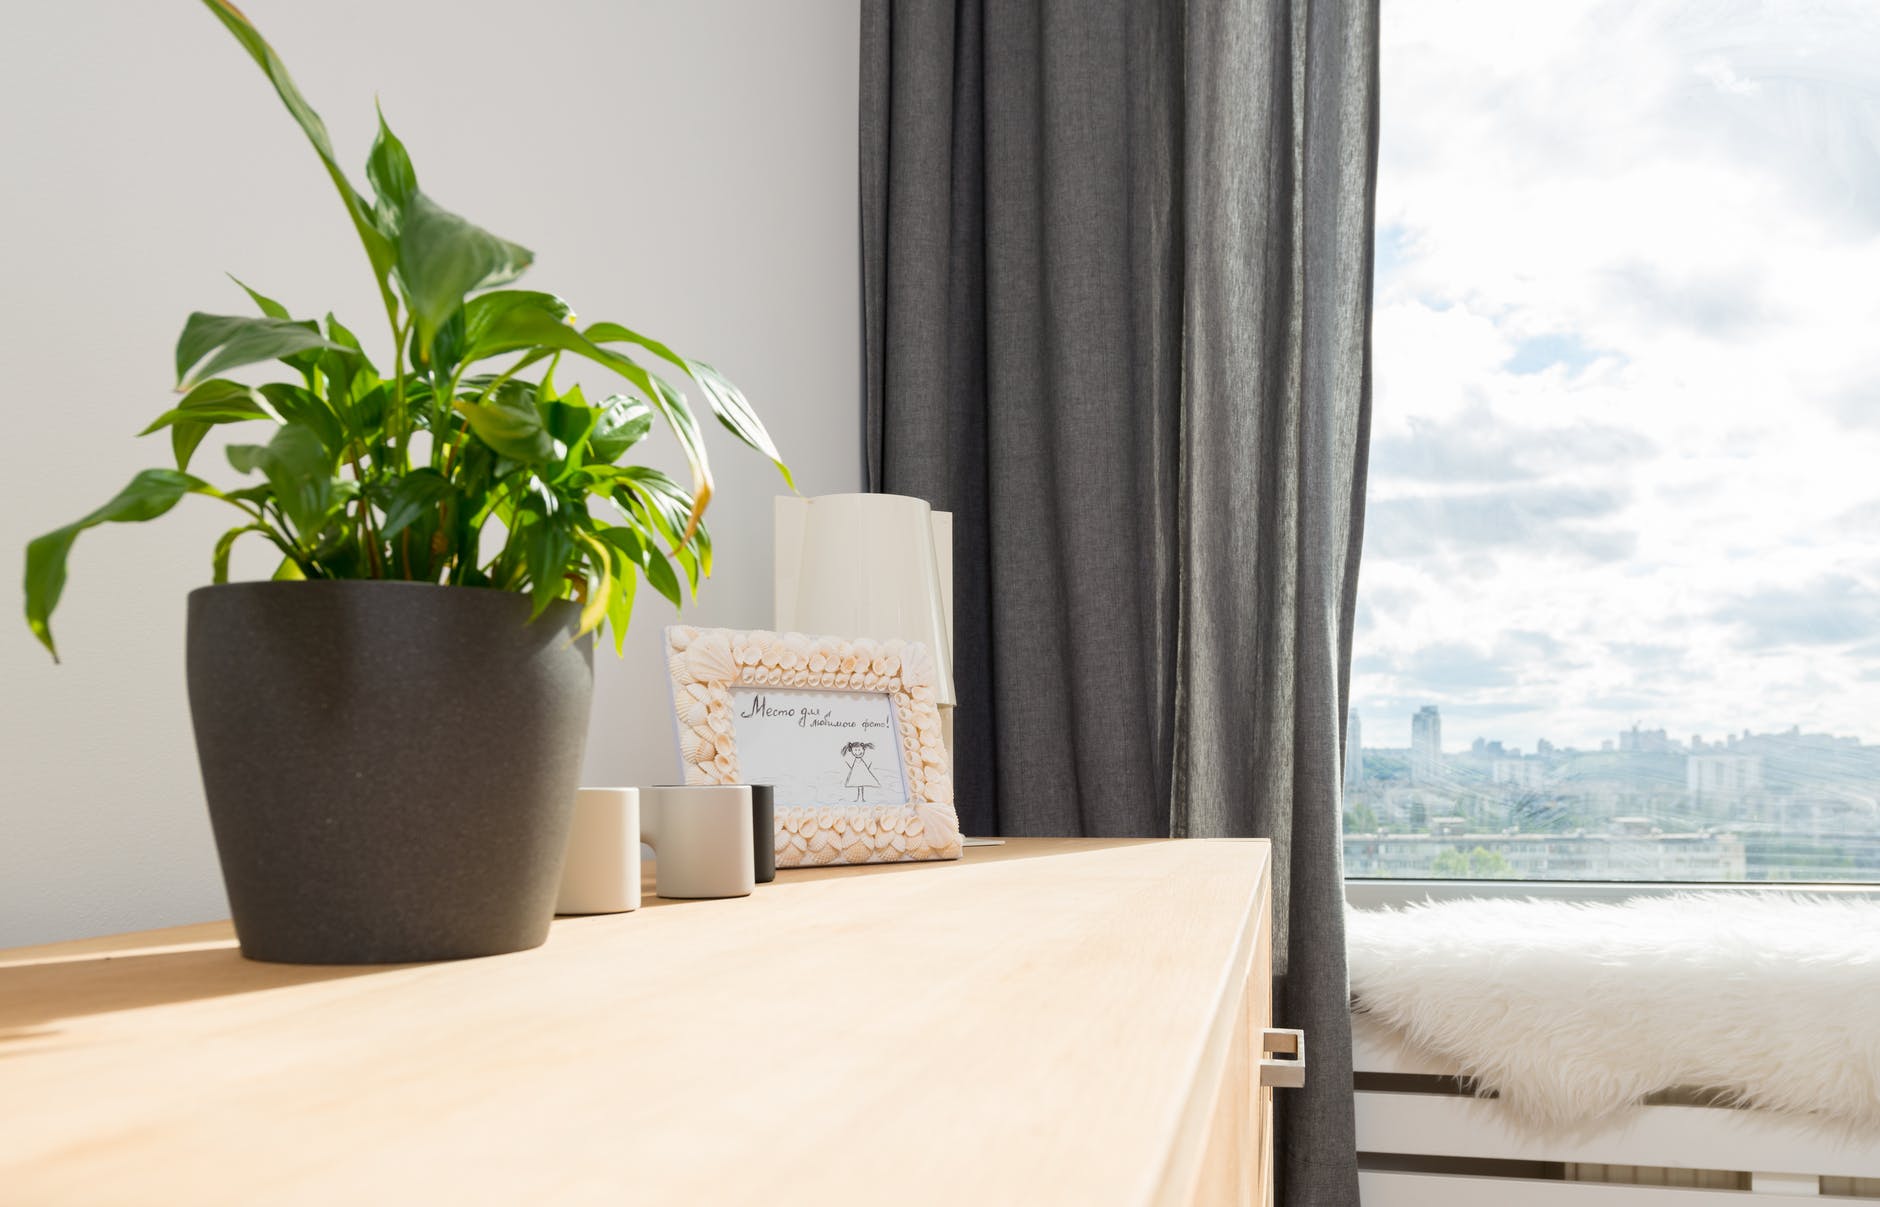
[(1625, 464)]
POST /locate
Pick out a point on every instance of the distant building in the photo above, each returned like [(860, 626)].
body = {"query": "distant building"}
[(1523, 773), (1426, 746), (1543, 748), (1354, 754), (1577, 856), (1723, 775), (1644, 741)]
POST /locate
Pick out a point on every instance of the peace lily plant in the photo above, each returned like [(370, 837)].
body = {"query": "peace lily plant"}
[(464, 463), (391, 746)]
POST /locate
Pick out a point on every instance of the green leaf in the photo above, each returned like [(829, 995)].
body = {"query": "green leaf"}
[(510, 320), (535, 321), (230, 341), (650, 560), (442, 257), (300, 471), (416, 493), (378, 247), (733, 409), (390, 171), (227, 544), (511, 425), (298, 404), (620, 601), (600, 590), (546, 551), (212, 402), (149, 495), (265, 304), (570, 419), (340, 334), (624, 422)]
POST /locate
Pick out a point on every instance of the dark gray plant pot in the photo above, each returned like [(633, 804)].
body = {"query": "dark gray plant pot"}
[(391, 767)]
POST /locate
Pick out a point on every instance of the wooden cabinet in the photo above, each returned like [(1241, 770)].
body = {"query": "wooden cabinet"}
[(1049, 1021)]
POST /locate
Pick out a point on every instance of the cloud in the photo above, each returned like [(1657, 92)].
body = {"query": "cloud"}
[(1832, 610), (1627, 402), (1717, 304), (1477, 446), (1540, 519)]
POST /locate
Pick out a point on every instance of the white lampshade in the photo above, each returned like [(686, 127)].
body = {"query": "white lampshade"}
[(868, 566)]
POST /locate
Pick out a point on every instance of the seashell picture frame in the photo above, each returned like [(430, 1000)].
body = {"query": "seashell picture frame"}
[(719, 678)]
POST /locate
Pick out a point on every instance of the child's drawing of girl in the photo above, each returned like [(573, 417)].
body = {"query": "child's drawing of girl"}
[(861, 775)]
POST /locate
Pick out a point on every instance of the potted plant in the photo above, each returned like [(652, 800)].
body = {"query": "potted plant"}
[(391, 732)]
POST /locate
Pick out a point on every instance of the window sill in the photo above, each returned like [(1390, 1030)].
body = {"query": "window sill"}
[(1378, 894)]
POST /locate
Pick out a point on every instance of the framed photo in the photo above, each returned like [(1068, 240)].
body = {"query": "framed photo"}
[(846, 731)]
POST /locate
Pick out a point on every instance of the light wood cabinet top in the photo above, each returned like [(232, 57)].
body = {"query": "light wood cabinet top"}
[(1048, 1021)]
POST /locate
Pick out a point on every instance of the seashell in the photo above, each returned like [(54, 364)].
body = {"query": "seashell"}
[(938, 822), (898, 843), (818, 661), (885, 665), (825, 856), (848, 662), (871, 680), (680, 668), (860, 852), (718, 722), (690, 701), (819, 841), (827, 679), (727, 766), (746, 652), (933, 753), (710, 660), (797, 842), (917, 667), (826, 820), (680, 636), (924, 693), (695, 745), (767, 650), (702, 773)]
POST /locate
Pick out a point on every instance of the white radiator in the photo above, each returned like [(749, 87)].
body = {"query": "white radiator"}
[(1423, 1141)]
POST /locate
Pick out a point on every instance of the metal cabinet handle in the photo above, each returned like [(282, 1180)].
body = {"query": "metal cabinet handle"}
[(1283, 1074)]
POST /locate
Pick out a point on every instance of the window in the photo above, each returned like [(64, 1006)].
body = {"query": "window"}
[(1619, 613)]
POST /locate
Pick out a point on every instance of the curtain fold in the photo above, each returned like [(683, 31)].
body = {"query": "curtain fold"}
[(1116, 278)]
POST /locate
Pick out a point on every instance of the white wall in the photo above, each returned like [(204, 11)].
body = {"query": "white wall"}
[(683, 166)]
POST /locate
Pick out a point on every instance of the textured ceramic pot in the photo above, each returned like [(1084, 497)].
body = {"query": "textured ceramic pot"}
[(390, 767)]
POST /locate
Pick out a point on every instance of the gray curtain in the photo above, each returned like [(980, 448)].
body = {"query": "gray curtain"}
[(1116, 268)]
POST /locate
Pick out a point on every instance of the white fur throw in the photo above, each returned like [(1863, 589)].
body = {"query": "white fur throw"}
[(1573, 1012)]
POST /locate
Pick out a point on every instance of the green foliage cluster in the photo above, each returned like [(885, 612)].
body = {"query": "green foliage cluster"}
[(1479, 864), (400, 474)]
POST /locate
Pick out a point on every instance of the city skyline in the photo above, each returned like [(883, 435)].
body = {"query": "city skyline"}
[(1360, 721)]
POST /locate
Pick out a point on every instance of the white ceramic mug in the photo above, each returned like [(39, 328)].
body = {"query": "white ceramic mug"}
[(701, 840), (602, 873)]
